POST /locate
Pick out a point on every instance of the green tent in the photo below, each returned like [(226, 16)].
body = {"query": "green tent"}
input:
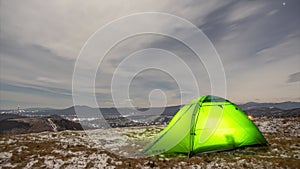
[(206, 124)]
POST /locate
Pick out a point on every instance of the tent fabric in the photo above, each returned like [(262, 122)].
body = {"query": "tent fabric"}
[(206, 124)]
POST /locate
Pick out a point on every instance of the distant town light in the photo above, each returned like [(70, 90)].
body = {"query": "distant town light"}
[(250, 117), (75, 119)]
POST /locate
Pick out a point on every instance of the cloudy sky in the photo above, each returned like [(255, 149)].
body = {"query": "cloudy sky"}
[(257, 42)]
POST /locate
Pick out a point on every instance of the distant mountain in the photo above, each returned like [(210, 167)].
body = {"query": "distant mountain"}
[(273, 112), (54, 119), (88, 112), (85, 111), (82, 111), (38, 109), (282, 105)]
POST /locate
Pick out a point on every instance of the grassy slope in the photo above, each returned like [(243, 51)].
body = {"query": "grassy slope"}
[(73, 149)]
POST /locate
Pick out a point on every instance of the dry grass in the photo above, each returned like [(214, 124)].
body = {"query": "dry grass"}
[(71, 149)]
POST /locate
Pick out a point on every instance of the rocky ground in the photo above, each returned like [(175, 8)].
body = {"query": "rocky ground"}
[(119, 148)]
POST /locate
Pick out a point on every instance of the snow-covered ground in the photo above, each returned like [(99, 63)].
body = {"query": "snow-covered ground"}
[(120, 147)]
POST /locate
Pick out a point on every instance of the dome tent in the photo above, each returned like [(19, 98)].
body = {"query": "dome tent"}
[(206, 124)]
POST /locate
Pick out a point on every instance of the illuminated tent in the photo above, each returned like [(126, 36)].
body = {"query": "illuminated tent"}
[(206, 124)]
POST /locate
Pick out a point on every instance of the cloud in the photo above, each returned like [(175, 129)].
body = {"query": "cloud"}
[(9, 99), (33, 64), (295, 77), (243, 10), (39, 44), (64, 26), (47, 80)]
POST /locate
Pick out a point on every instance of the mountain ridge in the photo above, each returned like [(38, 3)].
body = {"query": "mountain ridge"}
[(169, 110)]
